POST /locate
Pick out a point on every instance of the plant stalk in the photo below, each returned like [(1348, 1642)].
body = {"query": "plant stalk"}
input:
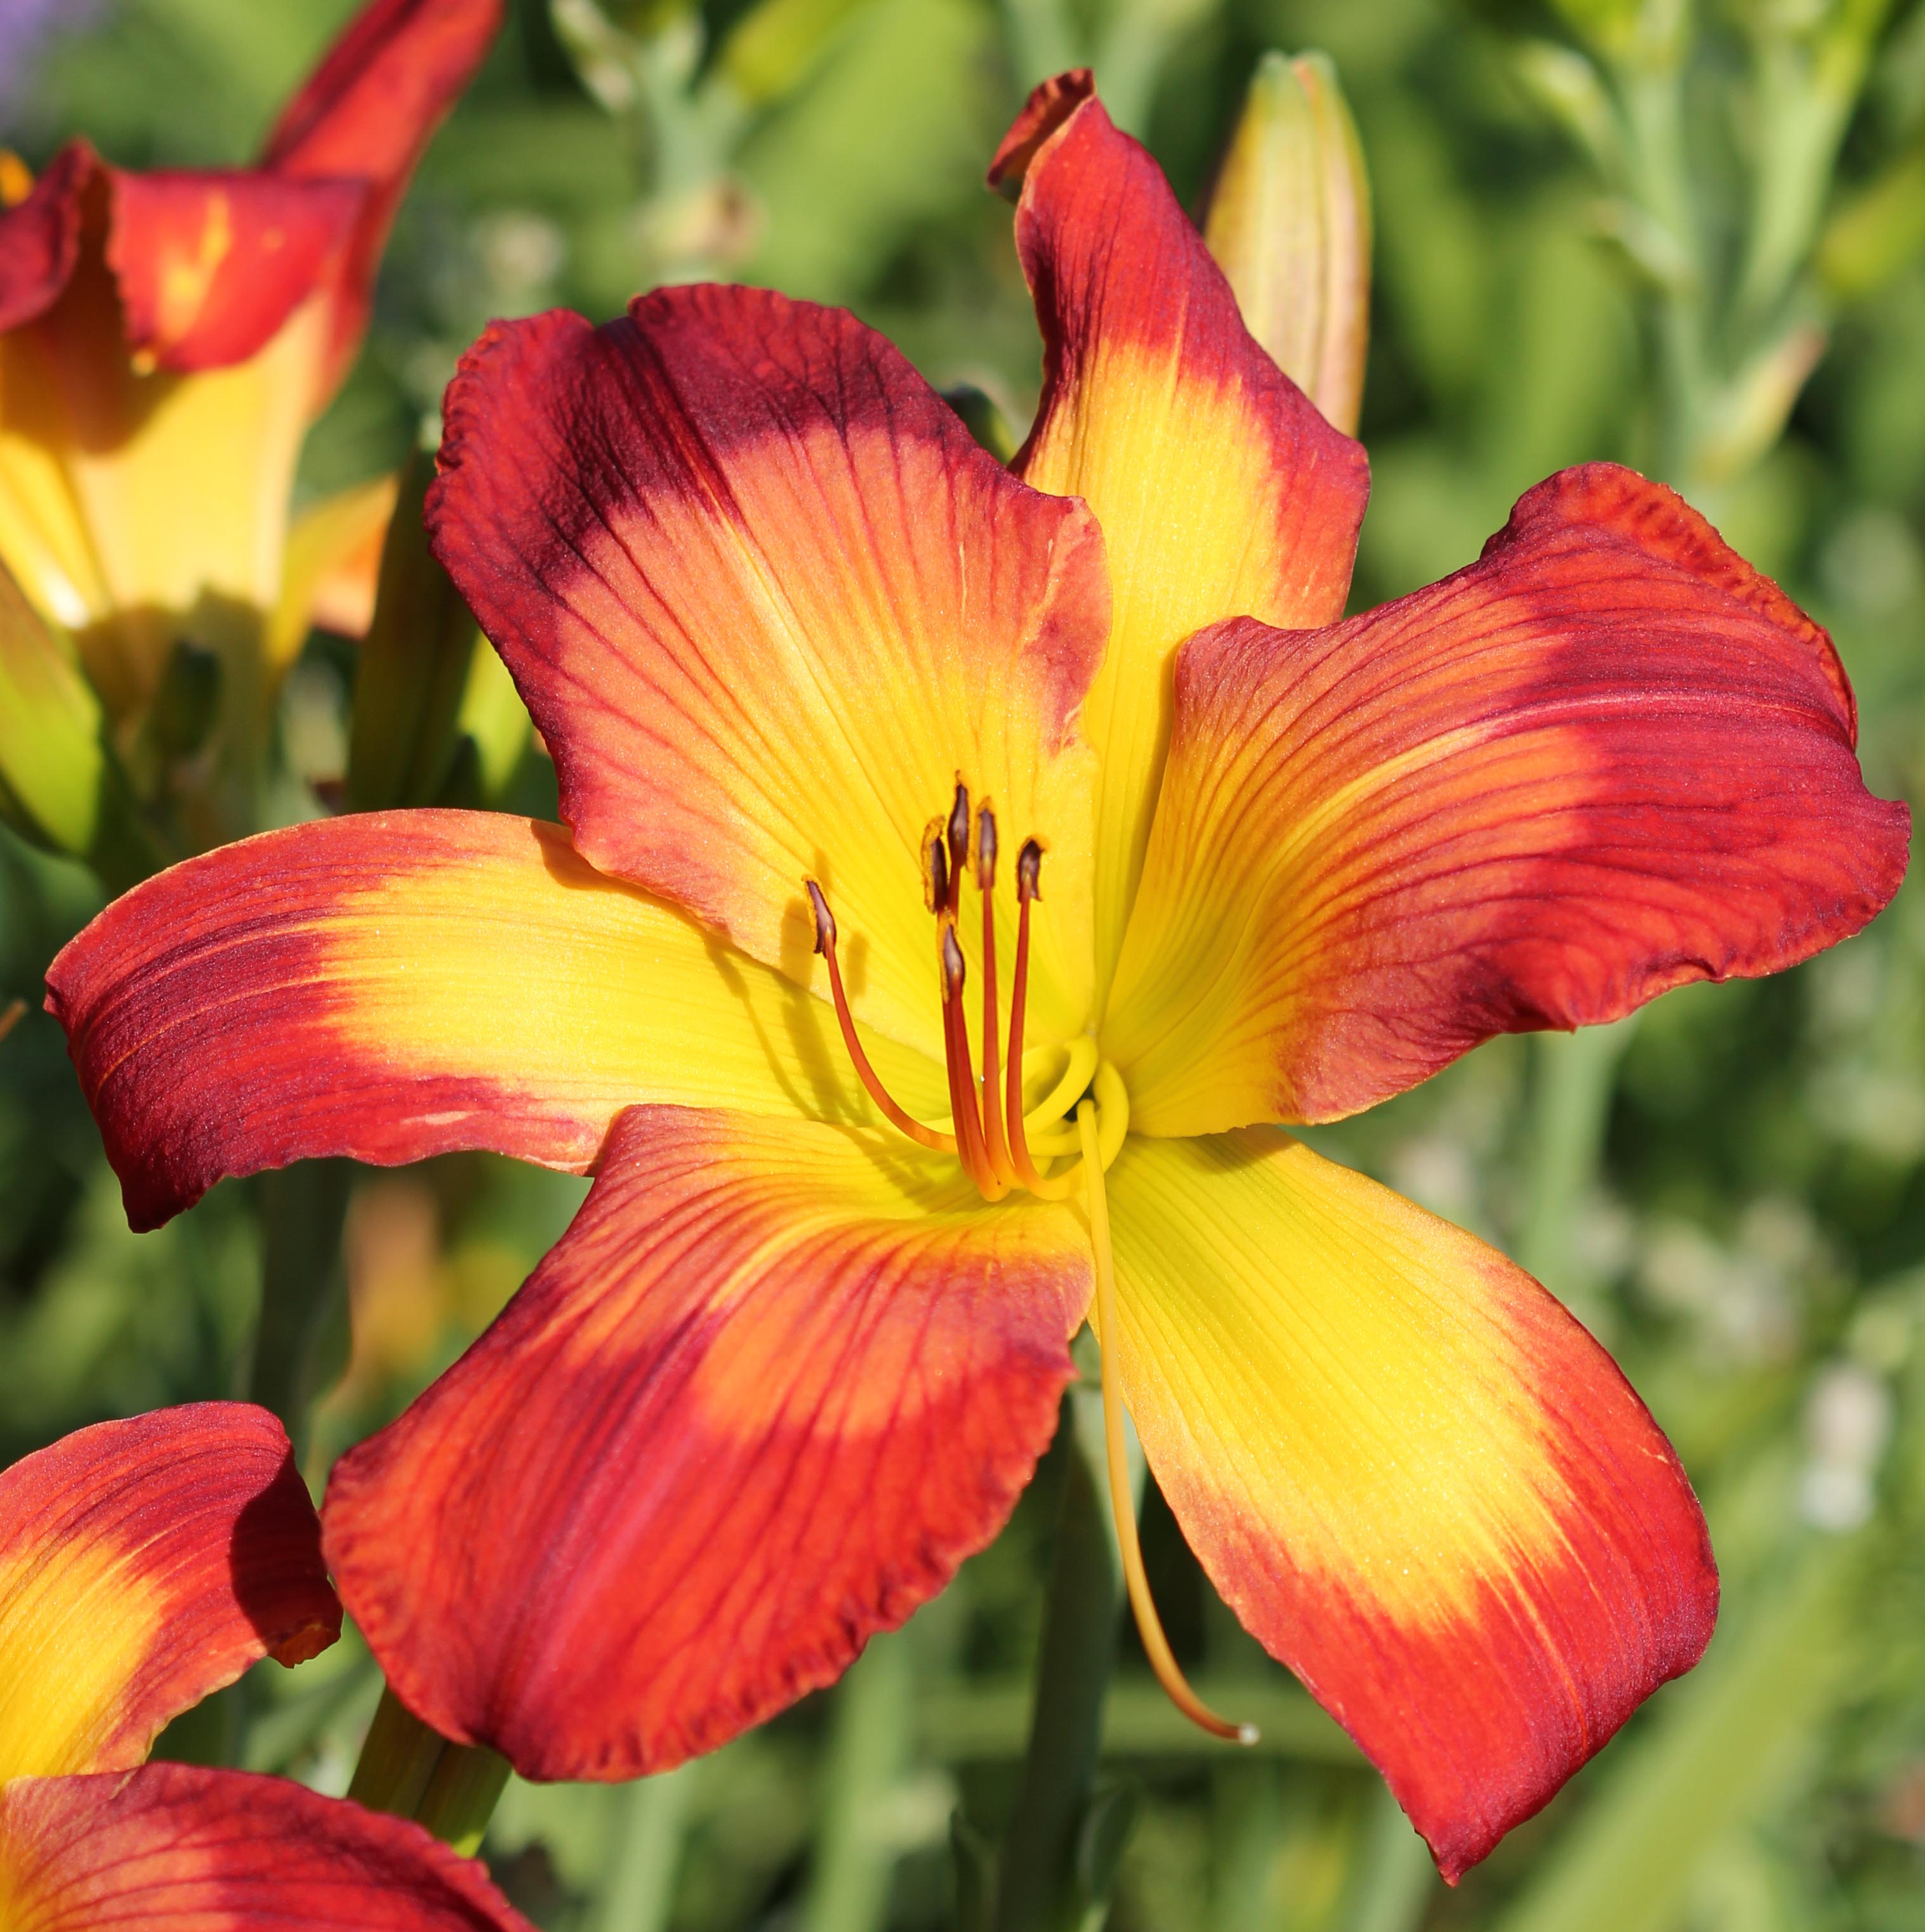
[(409, 1769)]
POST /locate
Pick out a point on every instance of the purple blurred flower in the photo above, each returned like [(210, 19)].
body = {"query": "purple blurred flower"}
[(25, 27)]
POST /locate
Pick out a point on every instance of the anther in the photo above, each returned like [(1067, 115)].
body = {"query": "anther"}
[(985, 850), (958, 841), (825, 919), (1028, 871), (935, 867), (954, 971)]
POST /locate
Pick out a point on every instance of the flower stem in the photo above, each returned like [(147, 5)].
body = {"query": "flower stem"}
[(411, 1770), (302, 1210), (869, 1741), (640, 1892), (1038, 1888)]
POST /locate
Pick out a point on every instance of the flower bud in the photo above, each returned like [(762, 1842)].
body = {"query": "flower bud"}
[(1289, 223)]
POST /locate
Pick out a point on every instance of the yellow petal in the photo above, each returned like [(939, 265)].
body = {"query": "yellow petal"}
[(1414, 1477)]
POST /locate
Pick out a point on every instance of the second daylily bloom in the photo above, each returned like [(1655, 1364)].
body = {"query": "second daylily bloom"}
[(143, 1564), (960, 873), (166, 339)]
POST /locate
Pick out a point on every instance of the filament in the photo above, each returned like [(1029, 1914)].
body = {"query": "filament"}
[(995, 1141), (824, 944), (1156, 1645)]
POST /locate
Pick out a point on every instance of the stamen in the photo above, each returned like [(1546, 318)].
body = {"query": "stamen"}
[(958, 842), (970, 1149), (824, 944), (935, 866), (1029, 886), (1169, 1673), (997, 1144)]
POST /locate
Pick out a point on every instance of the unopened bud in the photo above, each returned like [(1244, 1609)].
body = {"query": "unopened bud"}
[(1289, 223)]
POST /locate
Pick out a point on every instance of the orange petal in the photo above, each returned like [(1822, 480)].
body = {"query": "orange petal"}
[(209, 265), (153, 396), (766, 599), (142, 1564), (181, 1848), (401, 984), (777, 1381), (1607, 758), (1221, 491), (1412, 1475), (365, 116)]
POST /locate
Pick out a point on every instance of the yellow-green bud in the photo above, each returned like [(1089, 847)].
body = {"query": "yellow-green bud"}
[(1289, 223)]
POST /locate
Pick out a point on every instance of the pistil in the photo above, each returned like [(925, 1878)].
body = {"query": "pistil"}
[(1142, 1605)]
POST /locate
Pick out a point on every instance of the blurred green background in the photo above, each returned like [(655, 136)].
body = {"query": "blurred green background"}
[(1694, 241)]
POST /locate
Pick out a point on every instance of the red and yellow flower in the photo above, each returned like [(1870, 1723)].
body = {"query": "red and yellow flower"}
[(855, 731), (143, 1564), (166, 339)]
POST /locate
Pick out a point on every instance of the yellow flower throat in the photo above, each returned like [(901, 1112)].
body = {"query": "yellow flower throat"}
[(997, 1143)]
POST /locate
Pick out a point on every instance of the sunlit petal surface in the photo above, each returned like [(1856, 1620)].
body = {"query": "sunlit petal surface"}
[(365, 114), (396, 985), (777, 1380), (1220, 490), (142, 1564), (766, 599), (1411, 1473), (1606, 759), (181, 1848)]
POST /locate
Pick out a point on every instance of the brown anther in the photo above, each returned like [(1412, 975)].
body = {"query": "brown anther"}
[(959, 840), (825, 919), (954, 971), (935, 867), (1029, 871), (985, 850)]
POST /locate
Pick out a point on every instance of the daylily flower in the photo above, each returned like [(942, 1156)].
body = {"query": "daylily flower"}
[(856, 731), (167, 338), (143, 1564)]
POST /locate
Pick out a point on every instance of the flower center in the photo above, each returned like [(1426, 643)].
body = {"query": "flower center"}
[(998, 1143)]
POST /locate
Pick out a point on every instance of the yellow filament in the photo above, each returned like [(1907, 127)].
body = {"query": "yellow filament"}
[(1169, 1673)]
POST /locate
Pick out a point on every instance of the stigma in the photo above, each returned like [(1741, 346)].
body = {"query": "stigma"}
[(988, 1132)]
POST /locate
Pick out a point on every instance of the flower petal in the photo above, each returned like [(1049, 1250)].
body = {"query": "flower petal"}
[(400, 984), (766, 599), (1221, 491), (183, 1848), (1409, 1471), (210, 266), (140, 505), (142, 1564), (777, 1381), (39, 237), (366, 114), (1607, 758)]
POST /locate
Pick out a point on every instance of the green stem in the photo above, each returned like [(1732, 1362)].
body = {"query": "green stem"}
[(1396, 1880), (1570, 1109), (410, 1769), (302, 1287), (1037, 1889), (868, 1749), (640, 1893)]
